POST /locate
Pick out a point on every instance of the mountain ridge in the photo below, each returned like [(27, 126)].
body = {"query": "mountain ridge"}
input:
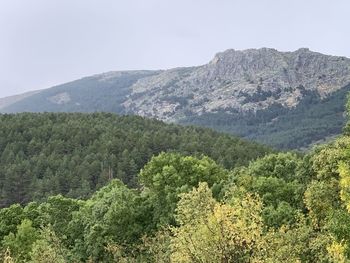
[(232, 77), (239, 83)]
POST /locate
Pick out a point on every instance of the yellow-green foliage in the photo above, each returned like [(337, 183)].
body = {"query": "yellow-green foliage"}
[(20, 243), (216, 232), (319, 199), (48, 248), (345, 184), (337, 252), (7, 257), (326, 160)]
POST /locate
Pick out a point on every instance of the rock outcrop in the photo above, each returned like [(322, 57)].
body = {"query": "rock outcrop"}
[(242, 81)]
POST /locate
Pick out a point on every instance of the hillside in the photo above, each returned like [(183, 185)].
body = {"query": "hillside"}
[(7, 101), (43, 154), (314, 119), (103, 92), (286, 99), (282, 207)]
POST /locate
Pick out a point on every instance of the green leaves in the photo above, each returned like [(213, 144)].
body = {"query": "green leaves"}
[(110, 216), (48, 248), (20, 243), (167, 176), (76, 154), (10, 218), (280, 208), (216, 232)]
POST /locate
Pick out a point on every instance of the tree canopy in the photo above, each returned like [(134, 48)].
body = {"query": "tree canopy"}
[(76, 154), (281, 207)]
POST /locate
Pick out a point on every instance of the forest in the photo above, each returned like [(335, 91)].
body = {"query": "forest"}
[(128, 189), (313, 120), (74, 154)]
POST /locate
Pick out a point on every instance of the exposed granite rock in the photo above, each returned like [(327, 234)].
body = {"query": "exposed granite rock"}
[(241, 81), (60, 98)]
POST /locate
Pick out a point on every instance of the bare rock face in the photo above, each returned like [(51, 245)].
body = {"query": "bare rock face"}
[(239, 81), (61, 98)]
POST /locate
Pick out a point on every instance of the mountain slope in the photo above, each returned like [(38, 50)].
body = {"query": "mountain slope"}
[(239, 81), (43, 154), (285, 99), (7, 101), (102, 92), (313, 120)]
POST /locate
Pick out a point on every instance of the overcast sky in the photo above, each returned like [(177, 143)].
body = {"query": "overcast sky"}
[(49, 42)]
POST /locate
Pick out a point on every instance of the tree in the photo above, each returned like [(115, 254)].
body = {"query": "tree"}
[(170, 174), (10, 218), (215, 232), (344, 184), (347, 127), (57, 212), (337, 252), (281, 165), (109, 217), (297, 243), (320, 199), (280, 192), (48, 248), (326, 159), (20, 243)]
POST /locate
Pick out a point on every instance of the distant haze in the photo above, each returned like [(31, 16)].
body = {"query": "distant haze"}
[(44, 43)]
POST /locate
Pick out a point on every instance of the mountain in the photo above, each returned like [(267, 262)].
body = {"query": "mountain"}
[(43, 154), (103, 92), (4, 102), (285, 99)]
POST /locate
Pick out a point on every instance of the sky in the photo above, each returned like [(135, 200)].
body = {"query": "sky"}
[(48, 42)]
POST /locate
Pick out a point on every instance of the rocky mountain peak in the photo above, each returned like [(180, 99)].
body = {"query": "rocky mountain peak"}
[(260, 94), (239, 80), (302, 50)]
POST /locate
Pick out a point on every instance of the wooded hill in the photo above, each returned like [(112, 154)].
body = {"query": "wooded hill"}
[(76, 154), (281, 207)]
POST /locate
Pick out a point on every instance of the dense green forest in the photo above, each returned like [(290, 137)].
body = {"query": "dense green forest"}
[(313, 119), (281, 207), (76, 154)]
